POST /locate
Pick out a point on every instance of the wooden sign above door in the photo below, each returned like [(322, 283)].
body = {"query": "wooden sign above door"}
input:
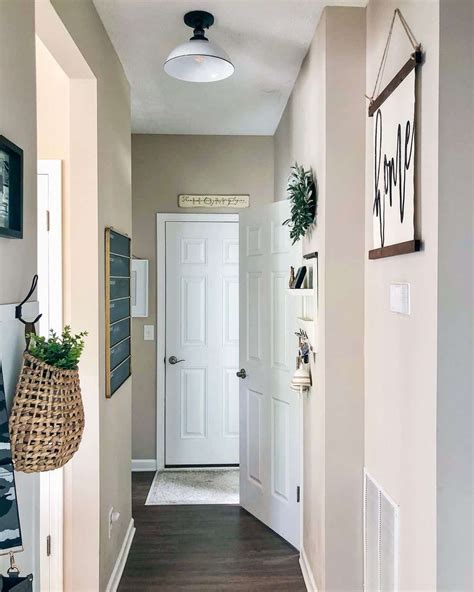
[(213, 201)]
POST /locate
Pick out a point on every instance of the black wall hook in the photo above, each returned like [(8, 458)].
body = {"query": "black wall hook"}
[(19, 308)]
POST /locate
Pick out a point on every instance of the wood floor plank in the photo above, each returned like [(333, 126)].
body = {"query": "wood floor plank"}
[(205, 549)]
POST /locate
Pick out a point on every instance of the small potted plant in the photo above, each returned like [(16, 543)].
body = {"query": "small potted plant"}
[(303, 197), (47, 418)]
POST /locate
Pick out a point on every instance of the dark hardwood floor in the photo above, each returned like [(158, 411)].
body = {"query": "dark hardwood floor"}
[(205, 548)]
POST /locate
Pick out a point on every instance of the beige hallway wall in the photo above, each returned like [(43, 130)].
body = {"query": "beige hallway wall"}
[(323, 127), (18, 256), (53, 109), (418, 368), (114, 209), (18, 124), (455, 377), (163, 167), (400, 351)]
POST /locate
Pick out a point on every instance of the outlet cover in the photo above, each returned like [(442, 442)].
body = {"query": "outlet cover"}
[(113, 518), (400, 298), (149, 332)]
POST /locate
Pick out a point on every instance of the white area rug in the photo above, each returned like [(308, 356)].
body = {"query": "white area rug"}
[(183, 487)]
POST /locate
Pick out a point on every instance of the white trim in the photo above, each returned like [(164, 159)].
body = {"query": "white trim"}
[(51, 291), (161, 220), (197, 468), (143, 464), (308, 577), (50, 296), (119, 566), (301, 471), (51, 523)]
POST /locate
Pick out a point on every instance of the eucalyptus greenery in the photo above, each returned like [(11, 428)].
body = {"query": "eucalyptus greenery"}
[(60, 351), (302, 195)]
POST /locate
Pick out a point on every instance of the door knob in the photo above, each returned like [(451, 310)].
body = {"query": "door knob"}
[(174, 360), (241, 373)]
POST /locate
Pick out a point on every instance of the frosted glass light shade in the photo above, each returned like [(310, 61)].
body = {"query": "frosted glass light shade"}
[(199, 60)]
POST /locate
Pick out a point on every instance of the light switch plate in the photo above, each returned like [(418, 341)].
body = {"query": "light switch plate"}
[(400, 298), (149, 332)]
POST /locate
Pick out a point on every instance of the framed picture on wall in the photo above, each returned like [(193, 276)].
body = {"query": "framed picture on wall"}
[(11, 189), (394, 114)]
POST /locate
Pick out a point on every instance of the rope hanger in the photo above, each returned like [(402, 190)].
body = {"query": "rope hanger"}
[(411, 37)]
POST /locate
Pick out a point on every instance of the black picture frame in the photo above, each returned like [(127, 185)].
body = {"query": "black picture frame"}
[(11, 208)]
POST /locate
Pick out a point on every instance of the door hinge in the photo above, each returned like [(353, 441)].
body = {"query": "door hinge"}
[(47, 220), (48, 545), (298, 494)]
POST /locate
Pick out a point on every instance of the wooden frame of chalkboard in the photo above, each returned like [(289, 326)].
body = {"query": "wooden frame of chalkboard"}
[(118, 360)]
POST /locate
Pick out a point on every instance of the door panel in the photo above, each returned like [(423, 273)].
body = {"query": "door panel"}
[(254, 435), (231, 403), (269, 409), (202, 331)]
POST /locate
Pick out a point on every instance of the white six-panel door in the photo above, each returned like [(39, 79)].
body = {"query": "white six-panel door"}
[(269, 409), (202, 333)]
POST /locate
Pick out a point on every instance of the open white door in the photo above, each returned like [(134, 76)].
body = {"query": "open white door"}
[(269, 409), (50, 298)]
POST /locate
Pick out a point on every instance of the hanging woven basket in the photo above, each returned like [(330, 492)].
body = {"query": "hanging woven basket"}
[(47, 417)]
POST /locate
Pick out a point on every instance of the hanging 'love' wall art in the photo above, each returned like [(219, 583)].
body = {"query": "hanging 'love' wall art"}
[(393, 183)]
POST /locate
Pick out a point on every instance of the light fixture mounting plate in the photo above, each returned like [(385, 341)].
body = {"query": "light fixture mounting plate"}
[(199, 19)]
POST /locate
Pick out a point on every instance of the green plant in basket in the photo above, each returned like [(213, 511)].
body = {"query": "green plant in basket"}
[(302, 195), (61, 351)]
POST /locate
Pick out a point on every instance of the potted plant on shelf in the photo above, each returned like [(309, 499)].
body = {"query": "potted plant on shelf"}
[(303, 197), (47, 417)]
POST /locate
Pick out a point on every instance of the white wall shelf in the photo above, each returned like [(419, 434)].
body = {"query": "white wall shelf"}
[(301, 291)]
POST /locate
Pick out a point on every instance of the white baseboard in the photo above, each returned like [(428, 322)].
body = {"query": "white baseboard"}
[(143, 464), (117, 572), (307, 573)]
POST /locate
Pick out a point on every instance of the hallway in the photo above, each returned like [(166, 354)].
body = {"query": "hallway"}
[(205, 548)]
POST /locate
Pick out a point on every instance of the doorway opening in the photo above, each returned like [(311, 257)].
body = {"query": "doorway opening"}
[(197, 359), (225, 350)]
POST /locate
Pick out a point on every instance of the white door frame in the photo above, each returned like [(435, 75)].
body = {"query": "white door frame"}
[(50, 296), (161, 220)]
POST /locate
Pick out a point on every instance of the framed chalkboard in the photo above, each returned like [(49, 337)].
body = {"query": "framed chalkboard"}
[(117, 310)]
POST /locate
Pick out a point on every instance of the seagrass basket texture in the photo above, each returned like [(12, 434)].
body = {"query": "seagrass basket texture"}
[(47, 417)]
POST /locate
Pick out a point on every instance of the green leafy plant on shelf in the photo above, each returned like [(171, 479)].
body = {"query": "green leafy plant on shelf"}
[(302, 195), (61, 351)]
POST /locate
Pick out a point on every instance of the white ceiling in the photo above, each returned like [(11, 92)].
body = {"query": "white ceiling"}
[(266, 39)]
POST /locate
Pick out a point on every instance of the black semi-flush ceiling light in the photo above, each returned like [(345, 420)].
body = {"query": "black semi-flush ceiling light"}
[(199, 60)]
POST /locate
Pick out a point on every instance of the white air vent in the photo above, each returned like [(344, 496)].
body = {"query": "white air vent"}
[(381, 527)]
